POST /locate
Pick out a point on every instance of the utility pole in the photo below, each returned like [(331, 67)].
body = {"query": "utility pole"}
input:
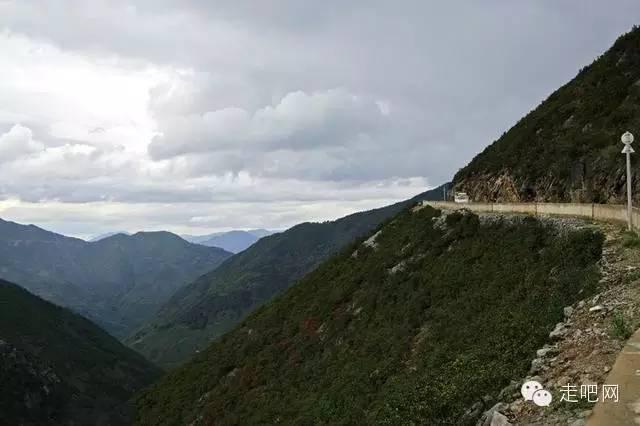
[(627, 140)]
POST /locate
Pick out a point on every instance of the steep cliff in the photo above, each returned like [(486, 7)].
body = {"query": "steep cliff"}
[(568, 148)]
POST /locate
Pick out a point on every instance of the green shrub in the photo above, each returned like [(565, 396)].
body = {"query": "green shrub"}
[(631, 239), (620, 329)]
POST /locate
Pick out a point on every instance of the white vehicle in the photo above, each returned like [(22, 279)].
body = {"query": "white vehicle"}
[(461, 197)]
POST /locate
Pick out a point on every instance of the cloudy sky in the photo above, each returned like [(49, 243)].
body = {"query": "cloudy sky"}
[(198, 116)]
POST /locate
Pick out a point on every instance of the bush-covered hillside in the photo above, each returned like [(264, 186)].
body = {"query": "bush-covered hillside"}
[(58, 368), (411, 326), (219, 300), (568, 148)]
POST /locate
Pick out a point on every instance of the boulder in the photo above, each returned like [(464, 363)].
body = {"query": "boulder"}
[(559, 331), (536, 365), (499, 419)]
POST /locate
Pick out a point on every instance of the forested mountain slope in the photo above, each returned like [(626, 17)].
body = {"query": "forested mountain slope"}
[(58, 368), (217, 301), (118, 282), (568, 148), (412, 326)]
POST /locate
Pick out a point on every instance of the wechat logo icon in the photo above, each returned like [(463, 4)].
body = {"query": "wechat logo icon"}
[(533, 391)]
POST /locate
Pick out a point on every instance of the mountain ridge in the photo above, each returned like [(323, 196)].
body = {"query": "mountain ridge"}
[(118, 281)]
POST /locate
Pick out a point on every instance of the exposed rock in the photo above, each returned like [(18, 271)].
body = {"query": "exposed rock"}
[(568, 310), (440, 221), (488, 416), (568, 122), (547, 350), (398, 268), (371, 241), (499, 419), (536, 365), (559, 331)]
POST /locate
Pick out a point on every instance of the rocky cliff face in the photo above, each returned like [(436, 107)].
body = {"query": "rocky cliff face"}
[(568, 148), (579, 188)]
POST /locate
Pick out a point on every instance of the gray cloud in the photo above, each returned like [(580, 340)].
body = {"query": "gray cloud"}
[(298, 122), (335, 97), (18, 142)]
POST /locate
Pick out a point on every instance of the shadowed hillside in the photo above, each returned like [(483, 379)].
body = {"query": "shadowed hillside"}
[(58, 368)]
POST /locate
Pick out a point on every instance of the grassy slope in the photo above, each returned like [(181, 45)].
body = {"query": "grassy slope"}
[(217, 301), (98, 374), (352, 343)]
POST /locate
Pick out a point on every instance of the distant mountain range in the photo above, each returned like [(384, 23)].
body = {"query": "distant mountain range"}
[(232, 241), (220, 299), (119, 281), (58, 368)]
